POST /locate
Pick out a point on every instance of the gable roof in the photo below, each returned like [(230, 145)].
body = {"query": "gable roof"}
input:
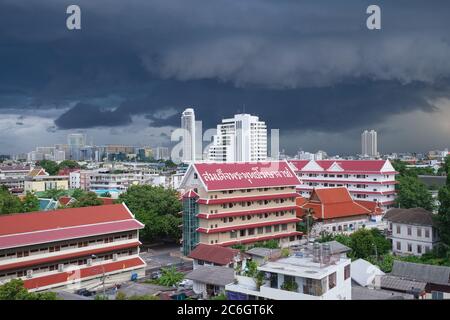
[(364, 272), (245, 175), (215, 254), (414, 216), (329, 203), (344, 165), (421, 272), (37, 172), (47, 220), (47, 226)]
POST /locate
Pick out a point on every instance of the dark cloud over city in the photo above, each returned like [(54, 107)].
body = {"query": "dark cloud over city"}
[(309, 68)]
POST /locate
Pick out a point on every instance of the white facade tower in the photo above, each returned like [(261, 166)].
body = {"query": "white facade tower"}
[(369, 142), (239, 139), (188, 125)]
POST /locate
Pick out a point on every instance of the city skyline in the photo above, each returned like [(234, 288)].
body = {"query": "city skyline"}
[(319, 75)]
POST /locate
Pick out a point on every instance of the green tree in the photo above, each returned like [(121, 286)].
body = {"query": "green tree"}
[(69, 164), (9, 203), (88, 199), (106, 195), (30, 203), (170, 277), (412, 193), (78, 193), (157, 208), (54, 194), (443, 217), (51, 167), (15, 290)]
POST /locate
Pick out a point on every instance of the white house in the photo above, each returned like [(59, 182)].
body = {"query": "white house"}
[(319, 273), (412, 231)]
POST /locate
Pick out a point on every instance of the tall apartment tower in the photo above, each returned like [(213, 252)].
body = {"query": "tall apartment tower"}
[(369, 146), (188, 124), (75, 142), (239, 139)]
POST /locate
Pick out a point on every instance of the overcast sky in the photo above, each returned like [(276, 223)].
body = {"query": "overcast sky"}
[(309, 68)]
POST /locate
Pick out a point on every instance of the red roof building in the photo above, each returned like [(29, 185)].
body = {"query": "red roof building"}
[(68, 247), (366, 180), (336, 211), (215, 255), (239, 203)]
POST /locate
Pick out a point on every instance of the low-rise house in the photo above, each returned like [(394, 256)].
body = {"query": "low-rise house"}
[(363, 293), (210, 280), (316, 273), (261, 255), (335, 211), (38, 180), (435, 278), (213, 255), (412, 231)]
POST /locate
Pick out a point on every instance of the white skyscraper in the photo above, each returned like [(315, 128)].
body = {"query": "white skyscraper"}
[(76, 141), (188, 125), (369, 144), (242, 138)]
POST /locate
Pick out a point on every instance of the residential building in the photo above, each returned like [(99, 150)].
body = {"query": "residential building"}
[(188, 126), (162, 153), (371, 180), (13, 177), (335, 211), (75, 142), (308, 273), (241, 138), (432, 281), (214, 255), (38, 181), (210, 281), (369, 144), (412, 231), (239, 203), (88, 247)]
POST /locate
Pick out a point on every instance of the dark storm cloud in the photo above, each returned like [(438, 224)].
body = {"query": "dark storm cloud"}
[(298, 64), (84, 115)]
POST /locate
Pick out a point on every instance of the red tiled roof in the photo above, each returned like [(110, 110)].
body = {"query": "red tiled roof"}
[(56, 219), (190, 194), (213, 253), (370, 205), (106, 200), (346, 165), (71, 276), (65, 200), (46, 236), (329, 203), (228, 176), (61, 257), (264, 238), (247, 226)]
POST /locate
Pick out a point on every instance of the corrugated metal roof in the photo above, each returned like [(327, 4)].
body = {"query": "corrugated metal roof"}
[(421, 272), (219, 276), (399, 284)]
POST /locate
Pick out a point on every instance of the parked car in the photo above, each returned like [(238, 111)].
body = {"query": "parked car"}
[(84, 293), (155, 275), (186, 284)]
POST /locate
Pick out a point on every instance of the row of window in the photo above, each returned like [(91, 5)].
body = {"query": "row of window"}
[(409, 231), (75, 262), (409, 247), (65, 246), (251, 203), (260, 216), (257, 231), (327, 175)]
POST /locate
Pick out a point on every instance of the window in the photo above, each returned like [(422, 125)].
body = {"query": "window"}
[(347, 272), (251, 232), (233, 234), (419, 248), (276, 228), (268, 229), (427, 233), (409, 247), (398, 230), (332, 280), (399, 246), (419, 232), (409, 231), (284, 227), (242, 233), (260, 230)]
